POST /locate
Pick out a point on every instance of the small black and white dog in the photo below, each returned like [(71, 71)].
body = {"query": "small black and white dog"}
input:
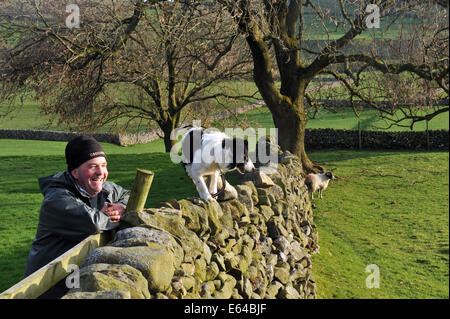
[(212, 153)]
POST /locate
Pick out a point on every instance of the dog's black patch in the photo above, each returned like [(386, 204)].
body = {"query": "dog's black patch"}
[(191, 143), (240, 154)]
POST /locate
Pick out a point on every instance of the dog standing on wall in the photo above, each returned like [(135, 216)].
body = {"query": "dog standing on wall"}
[(212, 153), (318, 182)]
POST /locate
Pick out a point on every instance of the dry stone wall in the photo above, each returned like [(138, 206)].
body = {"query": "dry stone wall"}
[(256, 246), (438, 140)]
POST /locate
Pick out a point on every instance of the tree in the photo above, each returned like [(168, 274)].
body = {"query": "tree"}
[(409, 97), (282, 26), (143, 60)]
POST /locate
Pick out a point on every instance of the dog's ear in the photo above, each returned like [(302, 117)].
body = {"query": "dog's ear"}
[(223, 143)]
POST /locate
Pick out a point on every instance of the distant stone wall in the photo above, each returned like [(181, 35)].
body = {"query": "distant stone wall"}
[(314, 138), (375, 140), (55, 135), (256, 246)]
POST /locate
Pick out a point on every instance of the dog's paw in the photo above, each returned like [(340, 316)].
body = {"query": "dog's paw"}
[(207, 197), (210, 199)]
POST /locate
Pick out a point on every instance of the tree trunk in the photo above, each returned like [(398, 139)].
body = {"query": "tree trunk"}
[(167, 127), (359, 134), (287, 103), (291, 124), (168, 143)]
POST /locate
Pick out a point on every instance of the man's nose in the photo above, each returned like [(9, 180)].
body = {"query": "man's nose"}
[(100, 170)]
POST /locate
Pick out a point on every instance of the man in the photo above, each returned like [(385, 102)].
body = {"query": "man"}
[(77, 203)]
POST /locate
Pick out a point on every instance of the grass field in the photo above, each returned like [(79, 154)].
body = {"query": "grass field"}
[(391, 210), (344, 119)]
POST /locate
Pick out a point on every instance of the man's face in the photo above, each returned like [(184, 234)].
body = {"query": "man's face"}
[(91, 175)]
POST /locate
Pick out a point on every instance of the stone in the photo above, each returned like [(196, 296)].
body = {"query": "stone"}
[(118, 294), (207, 289), (214, 213), (266, 212), (254, 194), (289, 292), (253, 232), (274, 288), (282, 274), (247, 255), (195, 217), (200, 269), (159, 295), (247, 288), (227, 286), (245, 196), (260, 179), (275, 227), (297, 251), (155, 262), (212, 270), (188, 268), (255, 296), (263, 196), (145, 236), (236, 294), (248, 241), (207, 254), (282, 244), (220, 261), (226, 220), (101, 277), (277, 193), (173, 224), (264, 245), (237, 210)]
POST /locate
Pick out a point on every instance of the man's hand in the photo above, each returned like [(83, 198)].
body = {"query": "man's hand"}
[(114, 211)]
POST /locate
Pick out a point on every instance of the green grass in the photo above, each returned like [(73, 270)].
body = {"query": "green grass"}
[(391, 210), (344, 119)]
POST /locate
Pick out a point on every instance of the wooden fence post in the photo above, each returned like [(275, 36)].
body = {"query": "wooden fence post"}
[(139, 192)]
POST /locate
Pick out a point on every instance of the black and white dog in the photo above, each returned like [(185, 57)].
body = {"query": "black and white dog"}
[(212, 153)]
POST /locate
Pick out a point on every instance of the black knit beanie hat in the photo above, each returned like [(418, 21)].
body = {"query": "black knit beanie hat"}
[(81, 149)]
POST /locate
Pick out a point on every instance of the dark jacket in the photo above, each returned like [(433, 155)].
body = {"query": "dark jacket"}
[(67, 217)]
